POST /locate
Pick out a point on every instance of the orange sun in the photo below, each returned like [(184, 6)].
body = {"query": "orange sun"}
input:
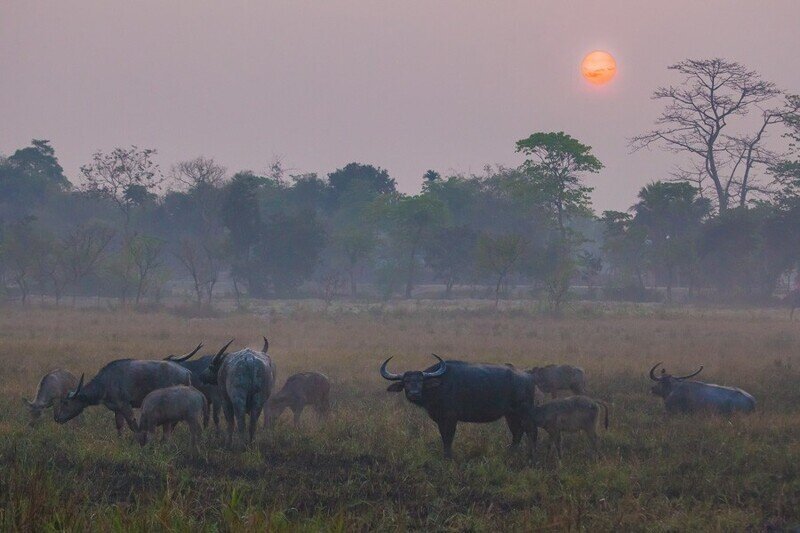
[(598, 67)]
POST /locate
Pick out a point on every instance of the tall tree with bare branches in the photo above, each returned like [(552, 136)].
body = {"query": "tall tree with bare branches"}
[(720, 114)]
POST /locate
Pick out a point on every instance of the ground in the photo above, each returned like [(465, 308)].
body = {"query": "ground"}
[(376, 463)]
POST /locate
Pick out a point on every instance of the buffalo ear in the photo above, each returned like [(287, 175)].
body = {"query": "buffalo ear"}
[(431, 383), (397, 386)]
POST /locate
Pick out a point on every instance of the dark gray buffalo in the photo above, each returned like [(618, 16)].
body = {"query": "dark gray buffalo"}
[(197, 367), (301, 390), (682, 396), (121, 386), (245, 380), (53, 387), (455, 391)]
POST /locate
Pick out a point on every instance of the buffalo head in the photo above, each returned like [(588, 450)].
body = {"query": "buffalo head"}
[(413, 382), (209, 375), (71, 405), (665, 383)]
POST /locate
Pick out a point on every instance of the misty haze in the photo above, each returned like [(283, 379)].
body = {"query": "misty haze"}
[(399, 266)]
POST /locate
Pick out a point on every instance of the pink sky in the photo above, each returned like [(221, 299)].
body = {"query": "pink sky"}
[(408, 85)]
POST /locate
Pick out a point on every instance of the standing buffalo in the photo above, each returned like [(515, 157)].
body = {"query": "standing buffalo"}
[(166, 407), (197, 367), (245, 380), (567, 415), (121, 386), (52, 388), (553, 378), (681, 396), (455, 391), (300, 390)]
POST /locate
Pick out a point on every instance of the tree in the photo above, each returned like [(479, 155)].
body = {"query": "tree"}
[(450, 253), (27, 176), (354, 242), (703, 117), (82, 251), (554, 165), (22, 248), (202, 259), (624, 244), (289, 251), (364, 178), (671, 214), (414, 219), (498, 256), (127, 176)]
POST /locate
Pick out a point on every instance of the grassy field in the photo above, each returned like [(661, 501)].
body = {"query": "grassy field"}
[(376, 463)]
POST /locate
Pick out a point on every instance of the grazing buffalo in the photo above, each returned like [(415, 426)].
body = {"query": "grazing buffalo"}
[(455, 391), (245, 380), (553, 378), (682, 396), (121, 386), (300, 390), (568, 415), (197, 367), (166, 407), (53, 387)]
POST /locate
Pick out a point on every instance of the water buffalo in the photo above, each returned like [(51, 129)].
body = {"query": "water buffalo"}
[(168, 406), (568, 415), (300, 390), (682, 396), (197, 367), (53, 387), (455, 391), (245, 380), (553, 378), (121, 386)]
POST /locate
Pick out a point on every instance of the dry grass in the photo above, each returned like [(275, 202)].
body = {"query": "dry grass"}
[(376, 464)]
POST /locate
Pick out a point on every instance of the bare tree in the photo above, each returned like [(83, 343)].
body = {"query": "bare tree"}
[(698, 119), (82, 251), (127, 176), (145, 254), (198, 172), (203, 261)]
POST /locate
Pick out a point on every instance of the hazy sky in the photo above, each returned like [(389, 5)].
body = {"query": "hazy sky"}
[(407, 85)]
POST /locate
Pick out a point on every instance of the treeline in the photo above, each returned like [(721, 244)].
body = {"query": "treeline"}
[(130, 228)]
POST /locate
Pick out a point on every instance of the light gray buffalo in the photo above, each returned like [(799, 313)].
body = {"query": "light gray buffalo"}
[(553, 378), (121, 386), (197, 367), (682, 396), (245, 380), (166, 407), (306, 388), (53, 387), (569, 415)]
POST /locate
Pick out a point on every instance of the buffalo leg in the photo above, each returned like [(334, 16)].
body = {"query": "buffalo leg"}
[(227, 409), (215, 413), (591, 434), (127, 415), (194, 432), (515, 425), (297, 410), (119, 422), (255, 412), (447, 429)]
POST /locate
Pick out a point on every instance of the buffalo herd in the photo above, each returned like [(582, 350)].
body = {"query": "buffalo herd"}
[(242, 385)]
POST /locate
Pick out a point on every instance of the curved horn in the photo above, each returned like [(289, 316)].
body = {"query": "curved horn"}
[(266, 345), (181, 358), (388, 375), (691, 375), (222, 351), (439, 371), (78, 388), (652, 372)]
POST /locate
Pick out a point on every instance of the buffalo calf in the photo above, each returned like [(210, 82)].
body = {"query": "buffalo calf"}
[(553, 378), (166, 407), (301, 390), (569, 415)]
